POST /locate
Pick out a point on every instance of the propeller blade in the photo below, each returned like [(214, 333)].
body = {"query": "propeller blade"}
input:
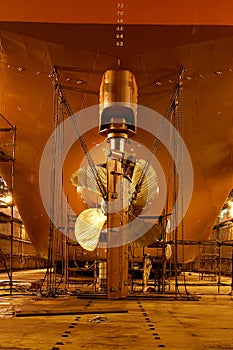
[(151, 235), (84, 178), (149, 185), (88, 227)]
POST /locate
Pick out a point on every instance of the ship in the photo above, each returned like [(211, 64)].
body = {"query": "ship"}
[(80, 46)]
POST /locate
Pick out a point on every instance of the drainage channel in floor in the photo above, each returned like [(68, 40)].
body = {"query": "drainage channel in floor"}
[(150, 325), (59, 344)]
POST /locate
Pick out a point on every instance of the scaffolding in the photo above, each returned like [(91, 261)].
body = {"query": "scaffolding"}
[(208, 264), (7, 155), (85, 274), (173, 277)]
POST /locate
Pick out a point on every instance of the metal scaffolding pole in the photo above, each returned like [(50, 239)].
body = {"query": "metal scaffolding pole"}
[(12, 207), (232, 270), (10, 158)]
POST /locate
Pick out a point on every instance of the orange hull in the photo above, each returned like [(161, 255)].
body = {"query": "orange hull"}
[(154, 54)]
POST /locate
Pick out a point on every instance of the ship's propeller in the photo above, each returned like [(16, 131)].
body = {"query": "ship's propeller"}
[(90, 222)]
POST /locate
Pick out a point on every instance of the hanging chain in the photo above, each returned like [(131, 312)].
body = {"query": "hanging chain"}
[(181, 157), (157, 141), (179, 205), (181, 171), (57, 154), (82, 142), (179, 124)]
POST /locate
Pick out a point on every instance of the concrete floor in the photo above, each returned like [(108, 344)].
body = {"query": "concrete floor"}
[(139, 323)]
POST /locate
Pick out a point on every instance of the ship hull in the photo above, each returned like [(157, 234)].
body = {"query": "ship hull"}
[(85, 52)]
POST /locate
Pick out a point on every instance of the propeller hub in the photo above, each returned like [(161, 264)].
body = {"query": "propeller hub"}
[(118, 104)]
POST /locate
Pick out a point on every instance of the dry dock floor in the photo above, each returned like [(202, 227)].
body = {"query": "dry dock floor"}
[(204, 322)]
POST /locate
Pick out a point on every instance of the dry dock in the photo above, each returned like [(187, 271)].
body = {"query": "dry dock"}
[(202, 321)]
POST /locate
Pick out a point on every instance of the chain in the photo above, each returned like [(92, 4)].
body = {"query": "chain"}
[(181, 131), (170, 108), (179, 206), (80, 138)]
